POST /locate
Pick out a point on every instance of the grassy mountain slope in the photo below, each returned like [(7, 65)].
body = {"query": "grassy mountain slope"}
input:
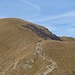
[(63, 53), (68, 39), (30, 49)]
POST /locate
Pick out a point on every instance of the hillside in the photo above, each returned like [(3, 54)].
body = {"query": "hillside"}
[(38, 30), (68, 39), (31, 49)]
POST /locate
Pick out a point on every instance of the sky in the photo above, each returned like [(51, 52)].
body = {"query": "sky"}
[(56, 15)]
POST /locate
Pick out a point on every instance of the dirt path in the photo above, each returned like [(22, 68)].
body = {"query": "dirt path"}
[(50, 67), (30, 62)]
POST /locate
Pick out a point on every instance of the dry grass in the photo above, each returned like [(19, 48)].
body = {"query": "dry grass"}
[(63, 53), (17, 46), (68, 39)]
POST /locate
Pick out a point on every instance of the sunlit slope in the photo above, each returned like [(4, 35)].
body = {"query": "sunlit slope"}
[(63, 53), (16, 42), (30, 49)]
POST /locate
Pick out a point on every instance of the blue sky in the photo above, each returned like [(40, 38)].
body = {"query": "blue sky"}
[(56, 15)]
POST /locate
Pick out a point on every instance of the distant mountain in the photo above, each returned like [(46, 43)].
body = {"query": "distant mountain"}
[(30, 49), (65, 38)]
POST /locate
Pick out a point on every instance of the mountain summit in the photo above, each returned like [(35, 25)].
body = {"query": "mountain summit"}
[(34, 28), (30, 49)]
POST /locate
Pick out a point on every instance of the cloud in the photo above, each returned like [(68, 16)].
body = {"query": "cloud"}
[(33, 5), (62, 24), (69, 32), (55, 17)]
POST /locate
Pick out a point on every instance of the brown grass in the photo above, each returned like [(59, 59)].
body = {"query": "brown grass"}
[(63, 53), (18, 43)]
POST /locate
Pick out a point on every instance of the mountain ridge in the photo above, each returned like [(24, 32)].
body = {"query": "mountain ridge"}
[(37, 29)]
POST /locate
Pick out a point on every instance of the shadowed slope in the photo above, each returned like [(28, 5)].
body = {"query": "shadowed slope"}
[(42, 32)]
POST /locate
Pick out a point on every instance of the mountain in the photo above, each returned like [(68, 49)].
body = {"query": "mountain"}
[(30, 49), (68, 39)]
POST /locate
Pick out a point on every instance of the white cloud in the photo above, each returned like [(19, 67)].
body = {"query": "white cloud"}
[(62, 24), (54, 17), (70, 32), (33, 5)]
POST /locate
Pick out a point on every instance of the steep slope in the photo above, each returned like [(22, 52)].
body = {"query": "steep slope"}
[(30, 49), (42, 32)]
